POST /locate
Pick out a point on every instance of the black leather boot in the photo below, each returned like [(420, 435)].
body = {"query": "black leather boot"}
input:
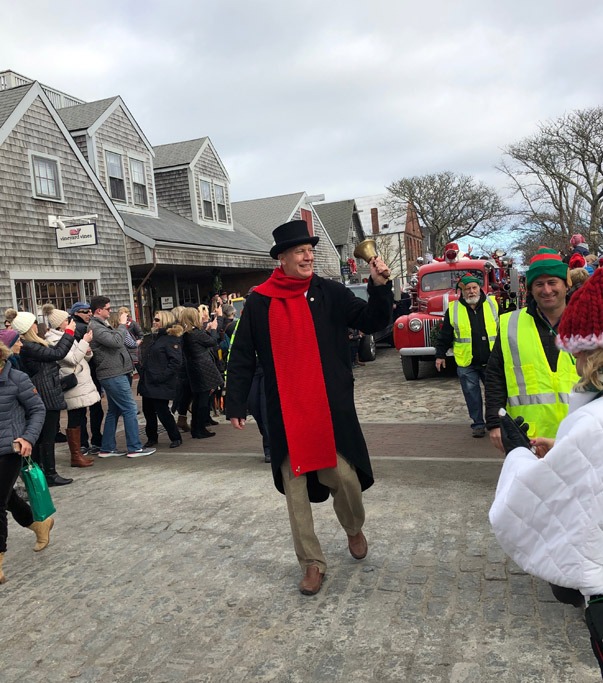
[(49, 467)]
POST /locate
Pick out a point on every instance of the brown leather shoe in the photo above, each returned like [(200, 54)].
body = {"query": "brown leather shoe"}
[(312, 581), (358, 546)]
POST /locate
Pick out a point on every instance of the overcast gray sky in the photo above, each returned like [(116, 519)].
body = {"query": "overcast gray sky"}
[(330, 97)]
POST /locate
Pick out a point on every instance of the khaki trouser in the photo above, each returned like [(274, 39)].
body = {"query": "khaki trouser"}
[(344, 486)]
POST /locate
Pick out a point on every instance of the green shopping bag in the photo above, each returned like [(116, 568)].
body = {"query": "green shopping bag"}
[(37, 490)]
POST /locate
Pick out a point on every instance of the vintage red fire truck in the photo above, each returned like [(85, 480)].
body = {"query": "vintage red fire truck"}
[(433, 287)]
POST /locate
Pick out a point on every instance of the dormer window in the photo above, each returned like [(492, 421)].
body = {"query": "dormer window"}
[(115, 174), (220, 202), (139, 185), (208, 207)]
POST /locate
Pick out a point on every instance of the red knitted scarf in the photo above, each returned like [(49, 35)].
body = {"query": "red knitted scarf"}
[(299, 375)]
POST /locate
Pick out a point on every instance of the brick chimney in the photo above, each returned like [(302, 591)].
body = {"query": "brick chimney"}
[(375, 221)]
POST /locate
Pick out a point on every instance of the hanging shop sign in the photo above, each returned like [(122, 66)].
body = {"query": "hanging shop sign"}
[(167, 302), (83, 235)]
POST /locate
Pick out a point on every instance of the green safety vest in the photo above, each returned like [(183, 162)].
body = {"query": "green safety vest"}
[(536, 393), (459, 319)]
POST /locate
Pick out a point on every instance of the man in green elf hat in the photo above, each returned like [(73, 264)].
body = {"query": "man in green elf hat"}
[(470, 326), (527, 374)]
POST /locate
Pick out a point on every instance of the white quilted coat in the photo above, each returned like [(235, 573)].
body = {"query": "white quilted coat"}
[(84, 394), (548, 514)]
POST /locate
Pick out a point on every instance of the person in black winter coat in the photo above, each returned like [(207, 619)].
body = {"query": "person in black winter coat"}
[(21, 419), (160, 360), (203, 375), (39, 361), (81, 313)]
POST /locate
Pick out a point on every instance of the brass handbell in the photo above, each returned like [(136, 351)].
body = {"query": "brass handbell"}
[(367, 250)]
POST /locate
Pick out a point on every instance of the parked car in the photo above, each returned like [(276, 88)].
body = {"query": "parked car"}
[(367, 350)]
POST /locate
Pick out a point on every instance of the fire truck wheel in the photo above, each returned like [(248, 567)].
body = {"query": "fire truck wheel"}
[(410, 367)]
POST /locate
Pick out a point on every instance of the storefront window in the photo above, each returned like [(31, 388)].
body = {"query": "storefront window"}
[(62, 293)]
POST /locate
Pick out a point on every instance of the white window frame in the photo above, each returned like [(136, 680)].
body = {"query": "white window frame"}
[(219, 204), (59, 181), (210, 201), (121, 155), (132, 158)]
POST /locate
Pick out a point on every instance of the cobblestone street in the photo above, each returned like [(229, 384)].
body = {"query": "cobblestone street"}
[(180, 568)]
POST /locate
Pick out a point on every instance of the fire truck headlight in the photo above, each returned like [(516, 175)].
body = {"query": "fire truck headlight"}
[(415, 324)]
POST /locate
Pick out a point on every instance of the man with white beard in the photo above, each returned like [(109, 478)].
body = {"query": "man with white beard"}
[(470, 326)]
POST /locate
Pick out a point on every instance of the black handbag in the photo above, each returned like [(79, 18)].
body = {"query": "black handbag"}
[(68, 381)]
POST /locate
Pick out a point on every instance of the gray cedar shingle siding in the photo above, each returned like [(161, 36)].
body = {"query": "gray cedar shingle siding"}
[(173, 191), (27, 243), (119, 135), (80, 141)]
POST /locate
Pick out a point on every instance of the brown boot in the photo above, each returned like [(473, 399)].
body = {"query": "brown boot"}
[(358, 546), (182, 424), (74, 440), (312, 581), (42, 532), (2, 575)]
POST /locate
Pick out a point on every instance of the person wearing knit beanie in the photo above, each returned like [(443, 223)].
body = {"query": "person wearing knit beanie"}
[(581, 326), (469, 328), (8, 337), (9, 315), (547, 515), (576, 261), (54, 315), (526, 375), (546, 262), (23, 321)]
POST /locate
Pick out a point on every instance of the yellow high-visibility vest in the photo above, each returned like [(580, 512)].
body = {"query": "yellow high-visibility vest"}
[(459, 319), (536, 393)]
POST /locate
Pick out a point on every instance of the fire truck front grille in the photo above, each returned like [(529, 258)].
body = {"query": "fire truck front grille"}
[(428, 325)]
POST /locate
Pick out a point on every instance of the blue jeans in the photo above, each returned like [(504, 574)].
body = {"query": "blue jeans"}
[(121, 402), (470, 378)]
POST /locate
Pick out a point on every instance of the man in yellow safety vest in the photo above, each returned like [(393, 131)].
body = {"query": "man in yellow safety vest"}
[(470, 326), (526, 373)]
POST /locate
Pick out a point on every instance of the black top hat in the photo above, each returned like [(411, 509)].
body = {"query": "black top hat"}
[(290, 235)]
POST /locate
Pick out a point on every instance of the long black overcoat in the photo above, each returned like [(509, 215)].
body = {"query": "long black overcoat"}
[(160, 361), (334, 309)]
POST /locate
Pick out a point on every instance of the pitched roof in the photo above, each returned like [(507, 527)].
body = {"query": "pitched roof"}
[(261, 216), (82, 116), (177, 153), (171, 227), (9, 99), (337, 218)]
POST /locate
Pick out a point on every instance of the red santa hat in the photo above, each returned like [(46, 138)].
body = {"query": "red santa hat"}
[(581, 326)]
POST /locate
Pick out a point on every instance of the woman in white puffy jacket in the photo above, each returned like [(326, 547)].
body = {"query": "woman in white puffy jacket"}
[(84, 393), (548, 511)]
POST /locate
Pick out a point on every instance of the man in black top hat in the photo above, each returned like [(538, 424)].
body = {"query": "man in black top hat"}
[(297, 324)]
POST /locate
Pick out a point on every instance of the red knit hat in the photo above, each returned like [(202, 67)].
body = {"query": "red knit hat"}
[(581, 326), (577, 261)]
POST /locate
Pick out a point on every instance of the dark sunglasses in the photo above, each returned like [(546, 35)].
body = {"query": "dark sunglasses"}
[(82, 311), (156, 320)]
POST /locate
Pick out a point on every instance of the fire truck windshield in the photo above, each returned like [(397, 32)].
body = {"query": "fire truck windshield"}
[(447, 279)]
